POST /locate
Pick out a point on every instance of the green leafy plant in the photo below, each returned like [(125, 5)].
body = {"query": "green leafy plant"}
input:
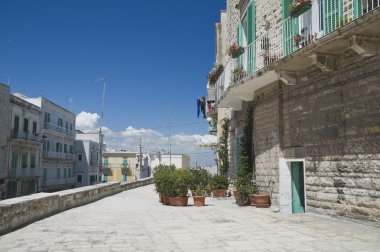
[(200, 178), (219, 182), (223, 148), (213, 76), (161, 176), (178, 183), (199, 192)]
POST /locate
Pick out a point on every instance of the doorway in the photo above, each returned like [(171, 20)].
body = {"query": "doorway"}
[(292, 186), (298, 187)]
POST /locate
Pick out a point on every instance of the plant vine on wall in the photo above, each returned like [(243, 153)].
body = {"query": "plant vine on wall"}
[(223, 148)]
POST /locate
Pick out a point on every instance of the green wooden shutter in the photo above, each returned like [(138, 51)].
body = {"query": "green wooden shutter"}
[(17, 121), (251, 38), (332, 14), (289, 27), (358, 8)]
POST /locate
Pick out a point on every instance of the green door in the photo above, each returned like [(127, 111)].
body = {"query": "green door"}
[(298, 192)]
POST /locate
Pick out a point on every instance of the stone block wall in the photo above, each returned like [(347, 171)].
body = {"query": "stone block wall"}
[(17, 212), (333, 122), (266, 138)]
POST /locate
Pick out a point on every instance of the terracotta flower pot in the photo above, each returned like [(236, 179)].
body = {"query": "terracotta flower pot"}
[(262, 200), (199, 200), (217, 193), (178, 201), (161, 198), (252, 200), (166, 200)]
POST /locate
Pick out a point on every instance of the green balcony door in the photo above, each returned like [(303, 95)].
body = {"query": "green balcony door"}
[(298, 191)]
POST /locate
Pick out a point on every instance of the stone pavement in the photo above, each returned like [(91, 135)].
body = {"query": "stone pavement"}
[(135, 221)]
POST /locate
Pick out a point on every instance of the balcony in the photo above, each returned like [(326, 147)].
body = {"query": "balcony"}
[(287, 52), (23, 172), (27, 136), (55, 127), (58, 155), (126, 170)]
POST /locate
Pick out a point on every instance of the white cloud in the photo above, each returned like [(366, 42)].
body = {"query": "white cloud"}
[(152, 140), (87, 122)]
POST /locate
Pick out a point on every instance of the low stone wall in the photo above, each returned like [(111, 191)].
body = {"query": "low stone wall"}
[(21, 211)]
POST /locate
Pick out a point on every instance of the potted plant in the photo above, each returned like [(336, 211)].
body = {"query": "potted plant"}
[(200, 177), (297, 39), (219, 185), (199, 197), (213, 76), (297, 7), (161, 175), (238, 74), (180, 180), (235, 50)]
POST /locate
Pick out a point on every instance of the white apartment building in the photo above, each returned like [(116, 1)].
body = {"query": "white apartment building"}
[(88, 162), (58, 137), (24, 148)]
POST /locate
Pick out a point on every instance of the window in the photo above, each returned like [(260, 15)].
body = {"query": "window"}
[(71, 126), (47, 117), (32, 160), (105, 164), (58, 147), (58, 173), (67, 125), (34, 127), (69, 172), (80, 157), (65, 148), (79, 178), (17, 121), (71, 149), (26, 125), (24, 160), (14, 160), (125, 163), (60, 122), (64, 172), (46, 145)]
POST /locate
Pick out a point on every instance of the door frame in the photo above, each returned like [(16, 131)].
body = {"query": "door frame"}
[(285, 180)]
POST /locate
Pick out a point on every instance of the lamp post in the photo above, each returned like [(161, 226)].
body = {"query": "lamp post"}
[(104, 79)]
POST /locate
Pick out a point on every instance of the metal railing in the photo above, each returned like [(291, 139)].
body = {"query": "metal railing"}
[(25, 136), (61, 129), (58, 155), (290, 35)]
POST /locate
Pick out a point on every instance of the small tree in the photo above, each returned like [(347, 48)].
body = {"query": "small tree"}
[(223, 148)]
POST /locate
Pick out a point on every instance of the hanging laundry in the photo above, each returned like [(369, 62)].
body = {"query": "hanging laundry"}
[(198, 106), (203, 106)]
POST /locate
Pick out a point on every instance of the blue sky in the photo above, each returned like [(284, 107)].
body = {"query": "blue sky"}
[(155, 54)]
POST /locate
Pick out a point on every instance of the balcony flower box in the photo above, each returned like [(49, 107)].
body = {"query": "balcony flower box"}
[(297, 7), (235, 50), (213, 76)]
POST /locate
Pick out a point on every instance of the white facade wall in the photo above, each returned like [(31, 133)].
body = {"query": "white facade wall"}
[(88, 159), (179, 160), (24, 147), (57, 160)]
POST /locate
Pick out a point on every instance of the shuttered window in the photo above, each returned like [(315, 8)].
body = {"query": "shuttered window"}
[(332, 13)]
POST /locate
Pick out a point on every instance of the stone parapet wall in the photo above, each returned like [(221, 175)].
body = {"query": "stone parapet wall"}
[(18, 212)]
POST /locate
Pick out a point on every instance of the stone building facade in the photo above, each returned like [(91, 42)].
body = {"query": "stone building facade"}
[(4, 134), (312, 106)]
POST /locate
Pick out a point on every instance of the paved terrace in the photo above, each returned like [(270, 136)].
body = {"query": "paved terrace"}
[(135, 221)]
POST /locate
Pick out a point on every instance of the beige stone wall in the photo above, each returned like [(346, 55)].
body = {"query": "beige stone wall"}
[(268, 14)]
